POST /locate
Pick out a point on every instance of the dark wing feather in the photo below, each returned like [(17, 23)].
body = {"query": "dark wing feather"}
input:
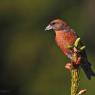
[(86, 66)]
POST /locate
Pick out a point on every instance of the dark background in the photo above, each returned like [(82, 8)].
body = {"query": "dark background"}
[(30, 61)]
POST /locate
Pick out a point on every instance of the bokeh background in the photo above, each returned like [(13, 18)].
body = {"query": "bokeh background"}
[(30, 61)]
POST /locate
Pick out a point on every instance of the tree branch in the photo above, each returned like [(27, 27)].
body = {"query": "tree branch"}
[(75, 80)]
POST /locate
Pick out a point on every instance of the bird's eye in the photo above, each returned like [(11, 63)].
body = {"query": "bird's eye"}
[(53, 23)]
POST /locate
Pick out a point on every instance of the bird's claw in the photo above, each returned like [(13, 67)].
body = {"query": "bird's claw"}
[(68, 66), (78, 61)]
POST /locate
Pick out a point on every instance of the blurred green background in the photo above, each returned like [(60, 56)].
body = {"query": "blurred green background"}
[(30, 61)]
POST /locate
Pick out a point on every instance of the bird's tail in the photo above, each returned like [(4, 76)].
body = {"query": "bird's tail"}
[(86, 66)]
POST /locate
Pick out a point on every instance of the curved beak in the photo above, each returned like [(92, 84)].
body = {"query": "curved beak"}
[(49, 27)]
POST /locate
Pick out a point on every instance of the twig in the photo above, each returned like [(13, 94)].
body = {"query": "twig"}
[(75, 80)]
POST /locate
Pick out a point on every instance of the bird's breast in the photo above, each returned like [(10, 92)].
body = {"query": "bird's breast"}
[(65, 39)]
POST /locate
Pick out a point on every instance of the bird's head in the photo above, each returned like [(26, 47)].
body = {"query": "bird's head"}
[(57, 25)]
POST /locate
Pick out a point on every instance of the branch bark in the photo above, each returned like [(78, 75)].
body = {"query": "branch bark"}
[(75, 79)]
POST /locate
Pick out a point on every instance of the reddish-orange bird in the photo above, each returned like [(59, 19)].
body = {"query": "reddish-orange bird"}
[(65, 37)]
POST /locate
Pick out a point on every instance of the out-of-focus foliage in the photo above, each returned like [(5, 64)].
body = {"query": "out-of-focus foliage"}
[(30, 61)]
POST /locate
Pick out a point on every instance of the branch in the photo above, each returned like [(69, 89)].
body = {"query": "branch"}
[(73, 66), (75, 80)]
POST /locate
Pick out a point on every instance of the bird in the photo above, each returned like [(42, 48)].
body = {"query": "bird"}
[(65, 37)]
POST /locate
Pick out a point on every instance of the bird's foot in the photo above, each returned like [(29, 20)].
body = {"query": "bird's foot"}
[(68, 66), (75, 49), (78, 61)]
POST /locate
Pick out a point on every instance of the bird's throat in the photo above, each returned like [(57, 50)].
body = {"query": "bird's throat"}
[(59, 33)]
